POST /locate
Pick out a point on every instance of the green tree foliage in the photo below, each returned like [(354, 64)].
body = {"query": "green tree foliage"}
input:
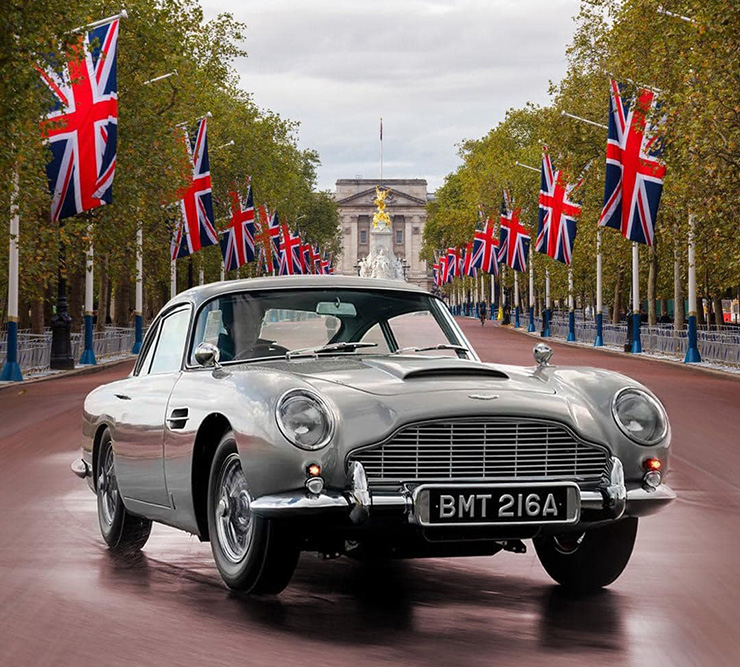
[(159, 36), (696, 68)]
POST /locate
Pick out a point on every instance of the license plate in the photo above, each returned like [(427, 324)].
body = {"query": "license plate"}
[(445, 505)]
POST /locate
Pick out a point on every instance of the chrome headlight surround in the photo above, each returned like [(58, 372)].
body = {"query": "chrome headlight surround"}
[(619, 404), (305, 419)]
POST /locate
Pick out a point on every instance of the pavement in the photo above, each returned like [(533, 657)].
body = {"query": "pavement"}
[(65, 601)]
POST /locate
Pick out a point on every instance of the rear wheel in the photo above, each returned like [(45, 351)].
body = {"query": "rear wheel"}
[(124, 533), (585, 562), (253, 555)]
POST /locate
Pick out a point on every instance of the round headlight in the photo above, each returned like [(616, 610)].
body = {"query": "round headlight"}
[(640, 416), (304, 419)]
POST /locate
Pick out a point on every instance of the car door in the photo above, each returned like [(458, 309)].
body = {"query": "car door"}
[(139, 432)]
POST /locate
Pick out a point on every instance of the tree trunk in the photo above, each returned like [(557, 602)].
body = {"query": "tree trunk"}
[(652, 280), (719, 318), (103, 285), (616, 310), (76, 294), (37, 316), (679, 317), (122, 315)]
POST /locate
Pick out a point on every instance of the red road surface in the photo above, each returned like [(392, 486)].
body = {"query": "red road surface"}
[(64, 601)]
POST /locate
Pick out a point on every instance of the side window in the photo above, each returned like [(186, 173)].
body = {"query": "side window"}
[(150, 344), (171, 343)]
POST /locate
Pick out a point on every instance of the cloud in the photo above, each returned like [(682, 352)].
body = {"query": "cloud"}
[(437, 71)]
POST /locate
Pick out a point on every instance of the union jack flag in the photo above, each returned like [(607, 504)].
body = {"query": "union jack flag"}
[(634, 174), (290, 253), (82, 128), (514, 240), (452, 264), (435, 274), (268, 237), (485, 246), (306, 263), (556, 230), (316, 259), (469, 268), (195, 229), (237, 243)]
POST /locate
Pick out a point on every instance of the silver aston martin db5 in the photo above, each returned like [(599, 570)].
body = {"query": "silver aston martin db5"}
[(352, 417)]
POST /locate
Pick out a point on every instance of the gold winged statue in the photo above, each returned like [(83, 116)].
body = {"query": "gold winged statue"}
[(381, 220)]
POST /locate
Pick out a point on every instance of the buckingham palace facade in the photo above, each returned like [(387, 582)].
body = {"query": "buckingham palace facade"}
[(405, 204)]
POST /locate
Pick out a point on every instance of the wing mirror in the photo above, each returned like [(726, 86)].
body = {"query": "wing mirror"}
[(207, 355), (542, 354)]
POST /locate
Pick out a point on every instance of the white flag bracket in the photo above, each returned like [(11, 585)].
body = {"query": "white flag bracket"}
[(123, 14)]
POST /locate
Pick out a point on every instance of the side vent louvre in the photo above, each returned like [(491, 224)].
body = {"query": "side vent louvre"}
[(178, 419)]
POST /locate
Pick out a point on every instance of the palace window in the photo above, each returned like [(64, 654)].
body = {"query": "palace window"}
[(363, 237), (399, 237)]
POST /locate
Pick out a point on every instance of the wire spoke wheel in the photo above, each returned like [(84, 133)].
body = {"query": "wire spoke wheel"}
[(234, 520), (108, 487)]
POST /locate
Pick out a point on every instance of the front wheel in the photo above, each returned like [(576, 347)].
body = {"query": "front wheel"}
[(585, 562), (124, 533), (253, 555)]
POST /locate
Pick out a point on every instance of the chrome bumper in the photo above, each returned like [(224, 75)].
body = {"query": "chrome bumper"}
[(359, 501)]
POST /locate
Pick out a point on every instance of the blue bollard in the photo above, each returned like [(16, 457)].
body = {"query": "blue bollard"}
[(692, 351), (530, 328), (139, 330), (88, 354), (11, 371), (571, 327), (599, 342), (516, 317), (546, 330), (636, 343)]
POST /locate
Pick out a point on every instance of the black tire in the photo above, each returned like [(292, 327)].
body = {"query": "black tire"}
[(123, 532), (587, 562), (265, 562)]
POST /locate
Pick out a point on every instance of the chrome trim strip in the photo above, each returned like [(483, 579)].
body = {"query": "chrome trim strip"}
[(285, 504)]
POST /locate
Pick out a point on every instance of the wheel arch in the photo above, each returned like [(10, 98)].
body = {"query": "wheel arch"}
[(210, 432)]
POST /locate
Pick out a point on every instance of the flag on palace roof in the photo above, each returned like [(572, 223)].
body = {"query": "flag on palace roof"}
[(556, 230), (196, 229), (237, 242), (82, 128), (485, 248), (514, 239), (634, 172)]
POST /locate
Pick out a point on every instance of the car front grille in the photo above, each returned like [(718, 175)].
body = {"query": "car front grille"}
[(468, 449)]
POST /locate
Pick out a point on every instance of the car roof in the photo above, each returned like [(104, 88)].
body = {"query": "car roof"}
[(198, 295)]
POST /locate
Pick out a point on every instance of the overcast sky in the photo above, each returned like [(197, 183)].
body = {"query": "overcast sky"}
[(437, 71)]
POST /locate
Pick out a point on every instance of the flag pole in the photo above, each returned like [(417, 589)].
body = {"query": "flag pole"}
[(500, 316), (636, 343), (11, 371), (173, 278), (96, 24), (516, 299), (571, 308), (88, 353), (381, 150), (692, 351), (531, 290), (584, 120), (599, 342), (546, 327), (139, 305)]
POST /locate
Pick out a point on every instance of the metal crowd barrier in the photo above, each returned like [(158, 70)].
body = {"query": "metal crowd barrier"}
[(34, 350)]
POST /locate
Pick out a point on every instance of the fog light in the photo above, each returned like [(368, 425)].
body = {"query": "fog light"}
[(652, 479), (652, 464), (314, 470), (315, 485)]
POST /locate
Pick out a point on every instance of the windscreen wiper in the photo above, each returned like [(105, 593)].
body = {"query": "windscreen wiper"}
[(324, 349), (441, 346)]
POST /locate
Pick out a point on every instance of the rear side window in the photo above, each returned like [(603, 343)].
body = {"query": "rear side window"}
[(169, 348)]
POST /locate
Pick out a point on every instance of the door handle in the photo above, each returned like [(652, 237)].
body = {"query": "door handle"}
[(178, 418), (123, 397)]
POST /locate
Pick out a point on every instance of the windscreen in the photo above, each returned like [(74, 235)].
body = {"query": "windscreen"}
[(269, 323)]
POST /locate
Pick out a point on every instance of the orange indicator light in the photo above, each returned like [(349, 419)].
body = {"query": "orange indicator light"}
[(653, 464), (314, 470)]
